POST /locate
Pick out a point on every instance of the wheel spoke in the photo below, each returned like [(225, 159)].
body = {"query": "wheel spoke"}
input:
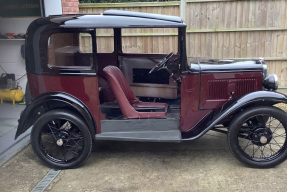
[(64, 154), (261, 137), (272, 151), (247, 145), (74, 147), (255, 151), (281, 135), (50, 148), (71, 137), (262, 151), (276, 143), (274, 131), (48, 141), (52, 132)]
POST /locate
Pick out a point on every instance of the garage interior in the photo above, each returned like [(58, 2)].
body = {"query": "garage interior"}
[(15, 17)]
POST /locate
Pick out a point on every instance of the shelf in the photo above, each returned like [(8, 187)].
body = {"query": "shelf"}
[(12, 39)]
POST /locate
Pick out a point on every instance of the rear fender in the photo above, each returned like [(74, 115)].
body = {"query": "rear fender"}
[(50, 101), (260, 98)]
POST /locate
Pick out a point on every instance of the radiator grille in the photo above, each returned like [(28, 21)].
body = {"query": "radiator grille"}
[(243, 86), (218, 89)]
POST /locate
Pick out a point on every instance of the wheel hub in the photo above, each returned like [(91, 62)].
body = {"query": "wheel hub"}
[(62, 137), (263, 140), (261, 136), (60, 142)]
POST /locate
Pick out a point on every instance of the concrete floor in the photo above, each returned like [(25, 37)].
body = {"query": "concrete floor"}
[(9, 115), (202, 165), (284, 91)]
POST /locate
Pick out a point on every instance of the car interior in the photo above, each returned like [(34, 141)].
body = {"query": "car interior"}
[(138, 92), (131, 82)]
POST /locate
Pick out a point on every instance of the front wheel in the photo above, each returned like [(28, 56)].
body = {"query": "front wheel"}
[(257, 137), (61, 139)]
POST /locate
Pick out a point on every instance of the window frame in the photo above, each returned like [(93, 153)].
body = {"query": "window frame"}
[(67, 67), (66, 70), (120, 46)]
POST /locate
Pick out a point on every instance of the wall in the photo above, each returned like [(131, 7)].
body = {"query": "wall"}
[(239, 29), (52, 7), (70, 6), (219, 29), (10, 55)]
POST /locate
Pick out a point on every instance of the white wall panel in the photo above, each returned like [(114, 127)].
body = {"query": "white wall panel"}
[(53, 7), (10, 55)]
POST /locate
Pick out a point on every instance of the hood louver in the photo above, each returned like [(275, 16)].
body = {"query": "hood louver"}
[(222, 89)]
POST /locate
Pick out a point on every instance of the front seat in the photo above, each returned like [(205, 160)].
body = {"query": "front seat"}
[(130, 105)]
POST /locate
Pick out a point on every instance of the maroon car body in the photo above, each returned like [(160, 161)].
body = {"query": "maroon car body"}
[(184, 97)]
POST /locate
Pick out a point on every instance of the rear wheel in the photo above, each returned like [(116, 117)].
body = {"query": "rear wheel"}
[(257, 137), (61, 139)]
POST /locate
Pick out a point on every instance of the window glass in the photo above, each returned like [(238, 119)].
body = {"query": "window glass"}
[(105, 40), (70, 50), (150, 40)]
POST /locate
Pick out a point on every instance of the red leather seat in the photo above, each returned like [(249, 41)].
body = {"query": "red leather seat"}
[(127, 100)]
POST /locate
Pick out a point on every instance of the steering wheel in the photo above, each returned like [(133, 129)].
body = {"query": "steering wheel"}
[(162, 63)]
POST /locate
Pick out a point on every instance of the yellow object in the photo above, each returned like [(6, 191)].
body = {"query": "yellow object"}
[(11, 95)]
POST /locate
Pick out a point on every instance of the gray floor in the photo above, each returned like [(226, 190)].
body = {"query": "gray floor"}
[(9, 115), (203, 165)]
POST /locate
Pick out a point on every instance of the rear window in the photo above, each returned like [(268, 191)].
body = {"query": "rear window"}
[(70, 50)]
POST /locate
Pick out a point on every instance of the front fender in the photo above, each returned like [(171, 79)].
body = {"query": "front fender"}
[(49, 101), (231, 107)]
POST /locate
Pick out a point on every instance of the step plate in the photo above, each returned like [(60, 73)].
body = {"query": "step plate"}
[(148, 136), (135, 125)]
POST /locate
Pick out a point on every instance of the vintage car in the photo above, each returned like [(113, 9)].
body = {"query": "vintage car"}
[(81, 94)]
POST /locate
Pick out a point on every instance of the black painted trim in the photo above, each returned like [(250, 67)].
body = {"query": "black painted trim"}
[(231, 71), (31, 112), (209, 66), (42, 5), (36, 46)]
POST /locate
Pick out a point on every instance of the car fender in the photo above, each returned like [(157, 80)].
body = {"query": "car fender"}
[(50, 101), (266, 98)]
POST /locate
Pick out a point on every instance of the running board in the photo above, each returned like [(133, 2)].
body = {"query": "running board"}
[(148, 136), (142, 125)]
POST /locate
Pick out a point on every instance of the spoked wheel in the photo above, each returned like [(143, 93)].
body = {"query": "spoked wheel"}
[(61, 139), (257, 137)]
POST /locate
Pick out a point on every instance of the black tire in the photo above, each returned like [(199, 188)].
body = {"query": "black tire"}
[(61, 139), (257, 137), (28, 97)]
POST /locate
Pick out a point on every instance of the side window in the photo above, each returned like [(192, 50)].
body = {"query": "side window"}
[(105, 40), (150, 40), (70, 50)]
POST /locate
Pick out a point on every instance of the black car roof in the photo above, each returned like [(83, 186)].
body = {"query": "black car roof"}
[(115, 19)]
